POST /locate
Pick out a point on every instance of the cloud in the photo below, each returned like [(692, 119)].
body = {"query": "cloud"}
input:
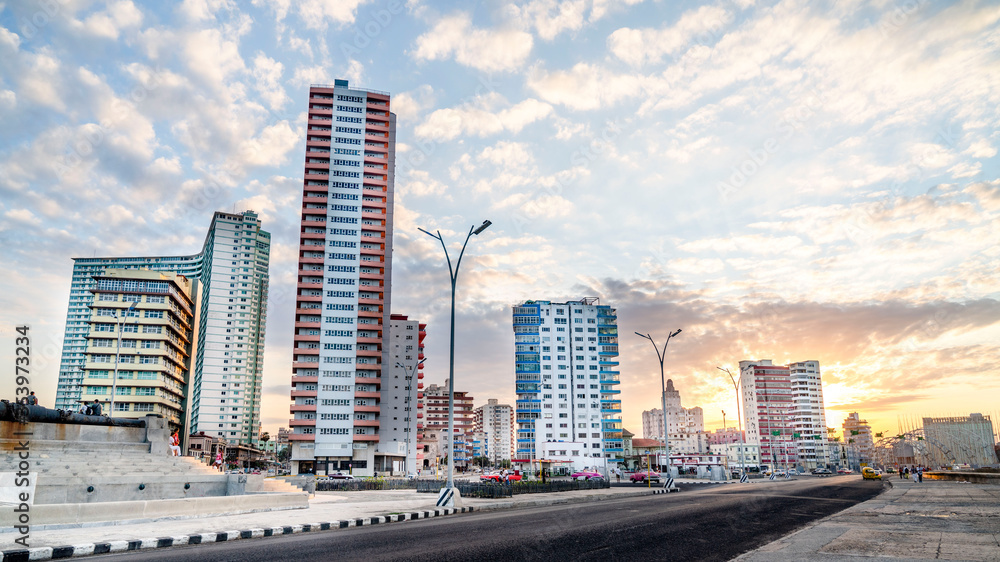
[(110, 23), (409, 105), (482, 117), (487, 50), (648, 46), (584, 87), (268, 73)]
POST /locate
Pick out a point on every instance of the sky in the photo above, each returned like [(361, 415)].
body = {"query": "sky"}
[(782, 180)]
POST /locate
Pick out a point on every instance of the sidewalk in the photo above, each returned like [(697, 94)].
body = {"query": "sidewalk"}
[(328, 510), (932, 520)]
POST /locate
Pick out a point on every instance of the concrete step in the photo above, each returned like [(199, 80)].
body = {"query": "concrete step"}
[(273, 485)]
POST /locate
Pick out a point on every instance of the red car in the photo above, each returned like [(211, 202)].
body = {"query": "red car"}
[(641, 476), (586, 475), (844, 471), (497, 477)]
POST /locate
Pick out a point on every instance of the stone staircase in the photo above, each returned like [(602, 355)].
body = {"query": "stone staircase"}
[(94, 471)]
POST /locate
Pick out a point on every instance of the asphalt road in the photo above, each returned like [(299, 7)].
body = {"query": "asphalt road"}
[(707, 523)]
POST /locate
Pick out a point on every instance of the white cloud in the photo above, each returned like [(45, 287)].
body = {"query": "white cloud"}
[(318, 14), (981, 148), (483, 117), (271, 147), (643, 46), (202, 10), (488, 50), (268, 72), (9, 39), (23, 216), (549, 18), (584, 87), (419, 183), (110, 23), (409, 105), (213, 57)]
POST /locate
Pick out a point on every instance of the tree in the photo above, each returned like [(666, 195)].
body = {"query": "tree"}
[(285, 453)]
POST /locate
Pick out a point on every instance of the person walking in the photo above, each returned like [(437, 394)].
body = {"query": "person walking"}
[(218, 460), (920, 474)]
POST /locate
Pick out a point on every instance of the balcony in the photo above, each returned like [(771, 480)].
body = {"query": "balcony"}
[(365, 438)]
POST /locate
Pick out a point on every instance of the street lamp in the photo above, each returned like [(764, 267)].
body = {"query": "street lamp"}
[(118, 351), (412, 410), (453, 274), (663, 394), (736, 387)]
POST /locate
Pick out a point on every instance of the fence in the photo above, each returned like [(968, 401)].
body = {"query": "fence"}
[(508, 489), (365, 484)]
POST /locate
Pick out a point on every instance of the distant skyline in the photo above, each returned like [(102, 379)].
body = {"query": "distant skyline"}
[(783, 180)]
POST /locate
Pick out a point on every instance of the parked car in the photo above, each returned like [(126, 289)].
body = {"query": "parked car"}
[(498, 477), (822, 471), (339, 476), (641, 476), (780, 474), (844, 471), (891, 470), (586, 475), (793, 472)]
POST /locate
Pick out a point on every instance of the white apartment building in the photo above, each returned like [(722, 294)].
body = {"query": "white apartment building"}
[(402, 396), (495, 422), (808, 414), (228, 371), (566, 379)]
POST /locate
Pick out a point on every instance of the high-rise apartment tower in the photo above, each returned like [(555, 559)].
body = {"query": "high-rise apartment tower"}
[(344, 275), (567, 387)]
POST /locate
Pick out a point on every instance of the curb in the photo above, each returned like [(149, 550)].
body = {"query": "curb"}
[(71, 551)]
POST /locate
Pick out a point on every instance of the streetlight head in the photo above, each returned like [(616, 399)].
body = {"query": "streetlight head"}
[(675, 333), (486, 224)]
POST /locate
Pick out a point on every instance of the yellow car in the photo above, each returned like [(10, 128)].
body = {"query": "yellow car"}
[(869, 473)]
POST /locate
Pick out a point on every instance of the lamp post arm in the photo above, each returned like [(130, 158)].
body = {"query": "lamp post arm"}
[(458, 263)]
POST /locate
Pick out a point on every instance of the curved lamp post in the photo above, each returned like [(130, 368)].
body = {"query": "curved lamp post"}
[(412, 411), (453, 273), (663, 392), (736, 387)]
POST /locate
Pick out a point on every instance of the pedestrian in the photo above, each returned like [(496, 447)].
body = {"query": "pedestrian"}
[(920, 473), (900, 470), (84, 408), (175, 444), (618, 474), (218, 461), (32, 399), (95, 409)]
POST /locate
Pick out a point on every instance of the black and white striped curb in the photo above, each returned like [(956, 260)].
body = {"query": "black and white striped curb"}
[(71, 551)]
